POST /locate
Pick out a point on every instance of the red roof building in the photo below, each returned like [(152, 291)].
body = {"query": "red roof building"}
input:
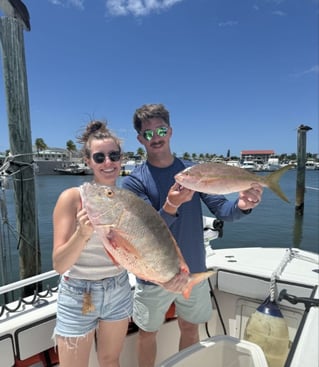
[(256, 154)]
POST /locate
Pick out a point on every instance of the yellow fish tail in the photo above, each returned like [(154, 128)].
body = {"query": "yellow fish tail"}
[(272, 182)]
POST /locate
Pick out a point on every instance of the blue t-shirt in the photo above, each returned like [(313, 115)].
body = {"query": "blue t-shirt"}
[(153, 183)]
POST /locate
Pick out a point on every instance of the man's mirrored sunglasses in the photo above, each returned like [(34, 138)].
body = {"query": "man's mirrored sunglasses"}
[(160, 131), (114, 156)]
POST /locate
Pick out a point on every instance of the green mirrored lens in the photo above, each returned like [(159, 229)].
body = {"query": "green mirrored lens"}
[(161, 131), (148, 134)]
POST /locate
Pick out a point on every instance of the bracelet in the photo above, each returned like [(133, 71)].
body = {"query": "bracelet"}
[(172, 205)]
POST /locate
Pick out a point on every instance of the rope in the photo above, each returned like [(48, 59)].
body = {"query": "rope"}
[(276, 274), (5, 247), (14, 174), (312, 188), (289, 255), (300, 256), (10, 161)]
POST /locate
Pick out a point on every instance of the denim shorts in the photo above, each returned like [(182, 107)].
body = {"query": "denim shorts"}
[(151, 303), (111, 298)]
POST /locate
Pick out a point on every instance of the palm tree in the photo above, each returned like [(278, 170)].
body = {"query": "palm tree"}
[(186, 156), (140, 151), (71, 147), (40, 145)]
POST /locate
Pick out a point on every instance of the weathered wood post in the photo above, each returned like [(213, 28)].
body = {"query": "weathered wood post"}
[(17, 100), (300, 184), (301, 168)]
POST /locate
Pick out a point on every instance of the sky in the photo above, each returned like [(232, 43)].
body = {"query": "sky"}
[(234, 74)]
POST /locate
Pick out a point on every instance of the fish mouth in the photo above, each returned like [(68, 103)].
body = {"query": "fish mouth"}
[(179, 178)]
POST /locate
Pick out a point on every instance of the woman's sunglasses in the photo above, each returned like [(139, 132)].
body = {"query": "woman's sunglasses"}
[(114, 156), (160, 131)]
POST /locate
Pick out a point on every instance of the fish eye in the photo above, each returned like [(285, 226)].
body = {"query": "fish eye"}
[(109, 193)]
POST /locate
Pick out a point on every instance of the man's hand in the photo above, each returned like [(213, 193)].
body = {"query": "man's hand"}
[(250, 198)]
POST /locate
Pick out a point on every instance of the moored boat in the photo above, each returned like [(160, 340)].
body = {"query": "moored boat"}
[(272, 164), (249, 166), (311, 165), (233, 162), (243, 279), (73, 169), (128, 166)]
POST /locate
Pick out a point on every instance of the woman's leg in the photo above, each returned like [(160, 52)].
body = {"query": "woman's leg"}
[(75, 351), (110, 340)]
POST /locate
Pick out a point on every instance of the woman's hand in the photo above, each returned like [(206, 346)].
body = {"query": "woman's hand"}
[(85, 225)]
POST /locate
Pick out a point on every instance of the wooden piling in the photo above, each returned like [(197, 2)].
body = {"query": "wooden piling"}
[(301, 168), (17, 99)]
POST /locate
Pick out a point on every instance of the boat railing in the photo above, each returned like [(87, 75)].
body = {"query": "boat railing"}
[(24, 282), (39, 293)]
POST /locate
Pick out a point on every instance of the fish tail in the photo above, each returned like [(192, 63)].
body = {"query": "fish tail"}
[(272, 182), (195, 279)]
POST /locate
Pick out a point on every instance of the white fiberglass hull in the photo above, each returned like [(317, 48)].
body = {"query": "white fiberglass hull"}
[(240, 284)]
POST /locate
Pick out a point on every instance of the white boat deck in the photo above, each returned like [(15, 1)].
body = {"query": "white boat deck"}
[(261, 261), (241, 283)]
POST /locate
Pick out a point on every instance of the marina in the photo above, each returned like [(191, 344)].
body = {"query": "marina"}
[(245, 258), (274, 221)]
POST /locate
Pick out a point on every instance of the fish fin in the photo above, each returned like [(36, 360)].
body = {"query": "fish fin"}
[(183, 266), (272, 181), (195, 279), (112, 258), (118, 240)]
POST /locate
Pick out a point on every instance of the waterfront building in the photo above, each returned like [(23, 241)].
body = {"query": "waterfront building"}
[(251, 155)]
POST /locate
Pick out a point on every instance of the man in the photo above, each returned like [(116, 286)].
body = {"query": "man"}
[(181, 208)]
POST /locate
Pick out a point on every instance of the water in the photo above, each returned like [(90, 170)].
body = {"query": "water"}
[(272, 223)]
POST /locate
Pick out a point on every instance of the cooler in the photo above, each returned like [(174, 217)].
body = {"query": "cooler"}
[(219, 351)]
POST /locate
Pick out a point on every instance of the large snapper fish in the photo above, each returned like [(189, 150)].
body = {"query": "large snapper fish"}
[(136, 237), (219, 178)]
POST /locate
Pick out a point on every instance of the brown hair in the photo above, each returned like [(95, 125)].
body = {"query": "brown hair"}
[(147, 112), (96, 130)]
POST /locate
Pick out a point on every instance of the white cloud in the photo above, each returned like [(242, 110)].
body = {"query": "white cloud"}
[(313, 70), (138, 7), (66, 3), (77, 3)]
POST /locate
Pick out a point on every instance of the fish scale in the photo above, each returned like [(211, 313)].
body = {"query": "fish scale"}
[(219, 178), (136, 237)]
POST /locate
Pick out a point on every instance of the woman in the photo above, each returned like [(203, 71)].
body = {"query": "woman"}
[(94, 293)]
